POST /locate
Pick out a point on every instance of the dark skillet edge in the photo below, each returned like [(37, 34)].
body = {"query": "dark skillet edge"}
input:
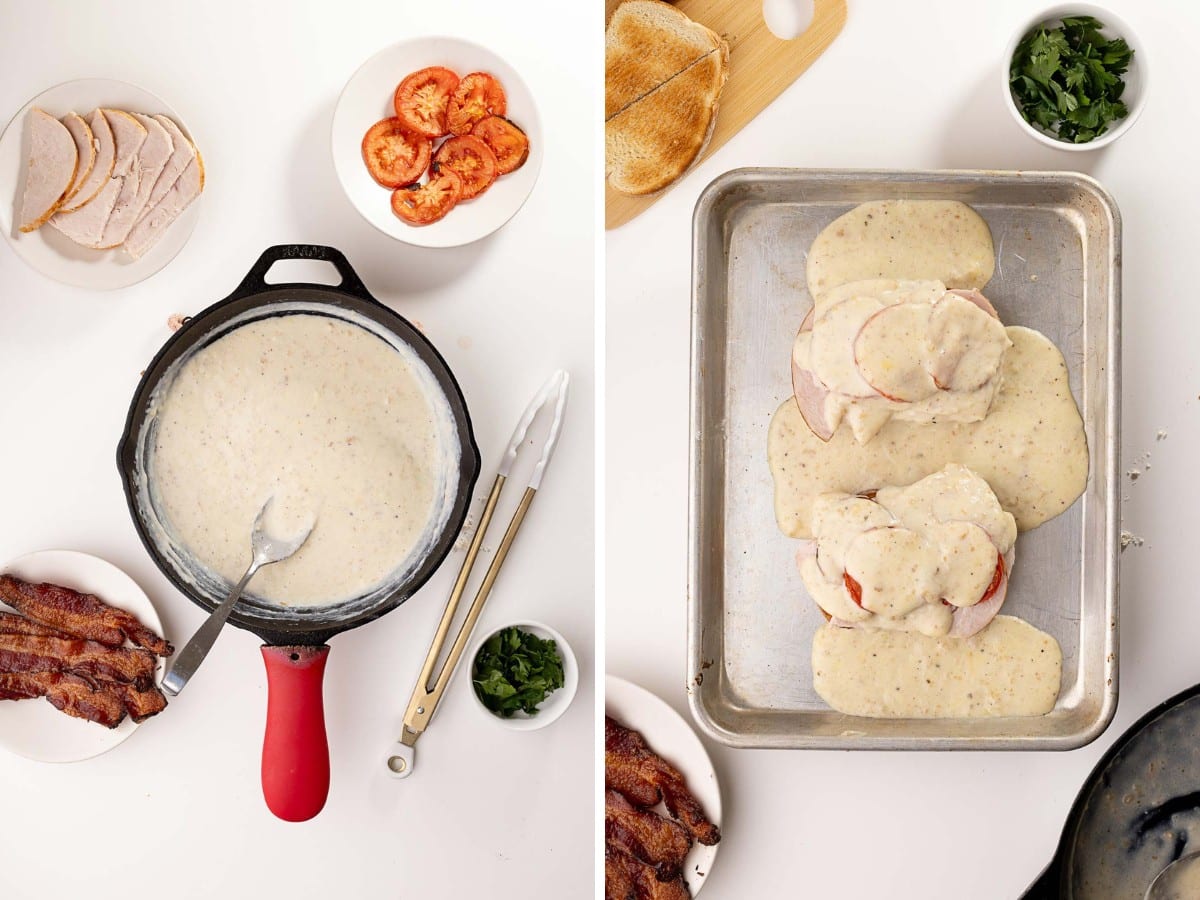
[(1054, 881), (321, 628)]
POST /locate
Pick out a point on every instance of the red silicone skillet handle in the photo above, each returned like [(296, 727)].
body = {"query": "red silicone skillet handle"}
[(295, 759)]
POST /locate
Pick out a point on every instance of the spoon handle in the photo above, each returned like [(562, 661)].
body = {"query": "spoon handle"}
[(190, 657)]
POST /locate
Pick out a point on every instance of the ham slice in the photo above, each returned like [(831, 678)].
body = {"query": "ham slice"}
[(53, 161), (87, 189), (85, 145), (923, 355), (147, 166), (187, 188), (86, 225), (969, 620)]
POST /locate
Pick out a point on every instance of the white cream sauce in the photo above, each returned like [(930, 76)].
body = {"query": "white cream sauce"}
[(325, 417), (908, 550), (1182, 882), (920, 388), (1009, 668), (905, 349), (1143, 813), (912, 239), (1030, 449)]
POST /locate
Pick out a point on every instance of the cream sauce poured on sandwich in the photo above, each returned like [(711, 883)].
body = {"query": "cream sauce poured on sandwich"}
[(913, 350), (1022, 435), (1008, 669), (932, 557), (943, 240)]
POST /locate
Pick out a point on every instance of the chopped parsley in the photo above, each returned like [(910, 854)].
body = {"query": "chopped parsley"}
[(1067, 80), (515, 670)]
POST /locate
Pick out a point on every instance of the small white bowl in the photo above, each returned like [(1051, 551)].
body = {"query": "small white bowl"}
[(554, 705), (367, 98), (1137, 79)]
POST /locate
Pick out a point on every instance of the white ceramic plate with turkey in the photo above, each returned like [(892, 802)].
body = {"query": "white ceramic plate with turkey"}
[(148, 211)]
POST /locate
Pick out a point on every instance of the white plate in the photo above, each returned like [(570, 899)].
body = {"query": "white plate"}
[(47, 250), (35, 729), (367, 98), (670, 736)]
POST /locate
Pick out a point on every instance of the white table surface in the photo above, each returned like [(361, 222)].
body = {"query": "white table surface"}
[(177, 811), (914, 85)]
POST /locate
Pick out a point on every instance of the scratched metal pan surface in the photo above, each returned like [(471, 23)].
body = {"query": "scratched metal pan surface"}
[(751, 623)]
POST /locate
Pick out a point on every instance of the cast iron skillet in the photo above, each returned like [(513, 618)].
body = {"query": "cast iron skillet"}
[(1055, 882), (295, 762)]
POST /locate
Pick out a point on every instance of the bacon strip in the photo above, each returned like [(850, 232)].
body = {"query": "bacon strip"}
[(66, 692), (11, 623), (83, 615), (660, 843), (631, 768), (26, 653), (141, 705)]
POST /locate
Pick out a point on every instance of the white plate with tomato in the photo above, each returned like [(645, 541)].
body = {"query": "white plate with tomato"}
[(437, 141)]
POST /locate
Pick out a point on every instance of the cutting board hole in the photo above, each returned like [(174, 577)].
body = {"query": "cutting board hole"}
[(302, 271), (295, 657), (787, 19)]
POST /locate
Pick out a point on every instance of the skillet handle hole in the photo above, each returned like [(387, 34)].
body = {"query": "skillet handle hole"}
[(295, 657)]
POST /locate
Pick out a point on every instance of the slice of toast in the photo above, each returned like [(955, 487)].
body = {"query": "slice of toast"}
[(658, 124), (646, 44), (655, 140)]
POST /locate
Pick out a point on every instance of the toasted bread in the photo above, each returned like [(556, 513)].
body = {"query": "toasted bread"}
[(663, 78), (647, 43)]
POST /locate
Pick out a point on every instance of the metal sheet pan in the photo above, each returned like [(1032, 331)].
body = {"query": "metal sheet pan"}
[(1058, 246)]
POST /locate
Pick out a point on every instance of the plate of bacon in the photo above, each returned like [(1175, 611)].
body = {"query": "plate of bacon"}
[(661, 812), (77, 632)]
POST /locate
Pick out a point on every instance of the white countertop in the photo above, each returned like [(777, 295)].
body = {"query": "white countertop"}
[(177, 810), (914, 85)]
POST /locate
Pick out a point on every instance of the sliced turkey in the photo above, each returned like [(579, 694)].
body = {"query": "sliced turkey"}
[(873, 350), (85, 145), (50, 171), (933, 557), (86, 225), (182, 155), (89, 187), (187, 187), (147, 166)]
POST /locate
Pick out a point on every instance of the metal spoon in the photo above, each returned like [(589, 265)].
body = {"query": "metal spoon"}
[(1160, 886), (265, 550)]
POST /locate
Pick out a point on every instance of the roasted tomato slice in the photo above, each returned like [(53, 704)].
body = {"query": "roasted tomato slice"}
[(477, 96), (471, 160), (393, 154), (996, 579), (423, 98), (421, 204), (505, 140), (852, 587)]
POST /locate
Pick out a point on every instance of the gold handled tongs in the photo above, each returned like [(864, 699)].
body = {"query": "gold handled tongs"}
[(429, 689)]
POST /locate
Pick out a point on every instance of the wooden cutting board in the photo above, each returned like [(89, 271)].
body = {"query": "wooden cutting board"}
[(760, 67)]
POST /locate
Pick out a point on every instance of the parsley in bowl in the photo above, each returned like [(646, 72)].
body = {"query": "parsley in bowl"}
[(1075, 78), (524, 675)]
